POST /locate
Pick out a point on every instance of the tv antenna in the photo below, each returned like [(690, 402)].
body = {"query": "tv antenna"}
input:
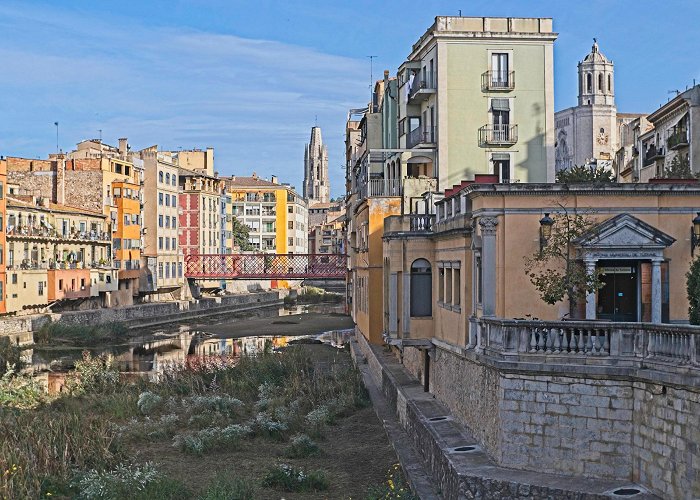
[(371, 76)]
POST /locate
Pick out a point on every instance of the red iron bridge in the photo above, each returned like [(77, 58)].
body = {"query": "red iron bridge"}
[(266, 266)]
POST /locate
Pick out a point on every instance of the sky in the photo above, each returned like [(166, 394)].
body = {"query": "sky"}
[(250, 78)]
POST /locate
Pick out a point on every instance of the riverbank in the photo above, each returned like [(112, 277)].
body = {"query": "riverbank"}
[(293, 424)]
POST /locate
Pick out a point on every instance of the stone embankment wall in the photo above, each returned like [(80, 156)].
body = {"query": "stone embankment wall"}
[(19, 328), (595, 427)]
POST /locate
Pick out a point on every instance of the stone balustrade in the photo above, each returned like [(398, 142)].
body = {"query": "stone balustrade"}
[(619, 343)]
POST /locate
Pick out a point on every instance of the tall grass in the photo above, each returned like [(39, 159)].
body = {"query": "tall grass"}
[(84, 335)]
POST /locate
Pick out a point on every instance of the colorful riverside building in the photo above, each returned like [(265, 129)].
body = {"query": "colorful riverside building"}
[(3, 218), (56, 254), (276, 215)]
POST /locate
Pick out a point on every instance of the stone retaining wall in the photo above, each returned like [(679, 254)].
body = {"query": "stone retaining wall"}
[(154, 313)]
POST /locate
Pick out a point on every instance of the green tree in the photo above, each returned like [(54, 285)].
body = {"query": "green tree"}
[(240, 234), (693, 287), (554, 271), (679, 168), (583, 173)]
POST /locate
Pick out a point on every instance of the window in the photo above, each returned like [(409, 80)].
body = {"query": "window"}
[(167, 270), (160, 221), (589, 83), (290, 224), (179, 269), (167, 243), (500, 119), (290, 209), (499, 70), (160, 176), (14, 279), (173, 243), (167, 200), (173, 222), (160, 243), (456, 294), (174, 202), (2, 294), (421, 288), (160, 270), (501, 166), (290, 242), (160, 199), (600, 82), (2, 195), (479, 280), (167, 178), (174, 180), (167, 222), (609, 83)]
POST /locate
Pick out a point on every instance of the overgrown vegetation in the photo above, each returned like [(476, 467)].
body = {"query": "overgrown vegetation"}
[(395, 487), (83, 335), (693, 289), (679, 168), (82, 444), (585, 174), (10, 355), (313, 295)]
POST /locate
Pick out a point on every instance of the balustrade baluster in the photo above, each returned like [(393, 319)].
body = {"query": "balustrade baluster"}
[(606, 341), (579, 341), (594, 344), (588, 345), (549, 340), (557, 339), (533, 340), (541, 340)]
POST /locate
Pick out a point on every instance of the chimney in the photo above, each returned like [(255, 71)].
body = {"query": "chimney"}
[(123, 145), (61, 179), (273, 179)]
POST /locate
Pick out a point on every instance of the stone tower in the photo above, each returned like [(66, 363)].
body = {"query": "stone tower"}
[(316, 184), (595, 79)]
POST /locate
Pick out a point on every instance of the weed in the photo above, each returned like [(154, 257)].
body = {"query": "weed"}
[(228, 488), (148, 402), (212, 438), (94, 375), (301, 446), (395, 487), (289, 478)]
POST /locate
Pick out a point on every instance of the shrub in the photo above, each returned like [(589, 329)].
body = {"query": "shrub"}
[(301, 446), (693, 288), (267, 427), (10, 355), (318, 419), (222, 404), (120, 482), (20, 391), (94, 375), (395, 487), (212, 438), (148, 402), (291, 479), (228, 488)]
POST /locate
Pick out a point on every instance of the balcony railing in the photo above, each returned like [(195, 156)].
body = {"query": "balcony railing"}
[(420, 135), (422, 87), (678, 139), (43, 232), (380, 187), (498, 135), (494, 80), (652, 154), (414, 223)]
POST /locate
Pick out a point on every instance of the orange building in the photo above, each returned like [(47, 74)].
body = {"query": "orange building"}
[(127, 237), (3, 219)]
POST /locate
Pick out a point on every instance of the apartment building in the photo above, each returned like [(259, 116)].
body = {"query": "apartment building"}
[(199, 219), (57, 254), (276, 215), (671, 145), (162, 261), (3, 218)]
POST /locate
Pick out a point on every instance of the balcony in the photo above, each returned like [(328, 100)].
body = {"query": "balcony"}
[(412, 223), (652, 154), (421, 89), (498, 81), (380, 188), (498, 135), (678, 139), (421, 136)]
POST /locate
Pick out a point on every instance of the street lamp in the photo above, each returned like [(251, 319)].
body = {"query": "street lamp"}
[(546, 224), (695, 234)]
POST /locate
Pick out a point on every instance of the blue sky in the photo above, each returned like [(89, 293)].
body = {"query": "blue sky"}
[(251, 78)]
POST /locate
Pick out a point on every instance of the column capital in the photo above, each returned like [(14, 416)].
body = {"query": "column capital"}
[(488, 225)]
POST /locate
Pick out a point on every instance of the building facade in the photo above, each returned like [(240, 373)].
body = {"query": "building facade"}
[(3, 244), (592, 131), (317, 187)]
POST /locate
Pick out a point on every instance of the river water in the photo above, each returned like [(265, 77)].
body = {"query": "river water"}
[(148, 351)]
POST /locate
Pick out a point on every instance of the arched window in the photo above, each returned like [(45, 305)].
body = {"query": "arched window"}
[(421, 288), (609, 83), (600, 82), (167, 178), (160, 176), (589, 83)]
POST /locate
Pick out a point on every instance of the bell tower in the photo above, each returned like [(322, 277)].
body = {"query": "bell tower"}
[(596, 83)]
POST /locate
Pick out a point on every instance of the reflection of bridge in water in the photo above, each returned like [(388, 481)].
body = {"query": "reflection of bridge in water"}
[(266, 266)]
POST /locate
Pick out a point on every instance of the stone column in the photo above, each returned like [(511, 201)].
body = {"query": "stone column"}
[(590, 296), (488, 264), (406, 306), (393, 304), (656, 291)]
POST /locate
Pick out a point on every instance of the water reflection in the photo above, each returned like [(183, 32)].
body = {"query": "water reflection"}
[(155, 350)]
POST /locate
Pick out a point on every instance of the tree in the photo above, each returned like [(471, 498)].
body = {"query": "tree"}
[(693, 287), (240, 233), (583, 173), (679, 168), (554, 271)]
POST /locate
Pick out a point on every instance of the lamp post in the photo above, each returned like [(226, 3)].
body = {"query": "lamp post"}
[(546, 224), (695, 234)]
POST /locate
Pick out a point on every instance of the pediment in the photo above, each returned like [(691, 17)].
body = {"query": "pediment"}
[(624, 231)]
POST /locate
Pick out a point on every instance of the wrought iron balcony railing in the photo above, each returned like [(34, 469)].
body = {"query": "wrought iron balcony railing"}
[(495, 80), (678, 139), (498, 135), (420, 135)]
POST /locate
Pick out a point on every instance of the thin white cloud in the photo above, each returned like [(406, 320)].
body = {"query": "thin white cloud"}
[(253, 100)]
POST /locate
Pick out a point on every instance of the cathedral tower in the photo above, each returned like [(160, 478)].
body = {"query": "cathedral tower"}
[(316, 184), (596, 79)]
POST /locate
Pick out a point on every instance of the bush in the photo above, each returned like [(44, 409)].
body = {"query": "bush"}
[(148, 402), (693, 288), (123, 481), (94, 375), (288, 478), (395, 487), (301, 446), (20, 391), (228, 488), (10, 355), (318, 419), (212, 438), (267, 427)]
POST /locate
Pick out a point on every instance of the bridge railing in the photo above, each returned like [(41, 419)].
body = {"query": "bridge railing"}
[(266, 266), (678, 345)]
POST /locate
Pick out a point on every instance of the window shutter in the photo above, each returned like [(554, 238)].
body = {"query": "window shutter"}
[(500, 105)]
